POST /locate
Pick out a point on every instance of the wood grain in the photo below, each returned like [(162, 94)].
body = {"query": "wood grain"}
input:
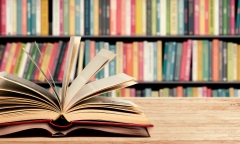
[(176, 121)]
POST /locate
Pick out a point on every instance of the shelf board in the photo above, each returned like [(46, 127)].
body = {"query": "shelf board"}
[(125, 37)]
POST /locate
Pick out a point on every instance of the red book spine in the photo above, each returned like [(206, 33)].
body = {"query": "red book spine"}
[(53, 55), (5, 56), (124, 58), (39, 62), (179, 91), (113, 18), (122, 92), (129, 59), (132, 92), (232, 17), (24, 17), (183, 61), (209, 92), (140, 61), (61, 17), (119, 11), (92, 54), (60, 75), (196, 17), (3, 17), (215, 59), (188, 60), (15, 57), (133, 17), (206, 17)]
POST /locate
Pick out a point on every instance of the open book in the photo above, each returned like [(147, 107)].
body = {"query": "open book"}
[(25, 105)]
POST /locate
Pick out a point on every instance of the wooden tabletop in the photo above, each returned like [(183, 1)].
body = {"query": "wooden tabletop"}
[(176, 121)]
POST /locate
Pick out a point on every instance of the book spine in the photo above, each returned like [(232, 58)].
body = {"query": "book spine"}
[(125, 58), (205, 60), (237, 19), (82, 16), (72, 17), (145, 60), (53, 56), (33, 18), (188, 60), (140, 61), (180, 17), (215, 60), (15, 57), (196, 17), (220, 60), (232, 17), (149, 17), (216, 17), (135, 60), (210, 61), (153, 14), (229, 61), (207, 17), (107, 17), (173, 17), (159, 60), (191, 17), (96, 18), (24, 17), (91, 17), (168, 16), (144, 13), (234, 62), (123, 17), (101, 16), (211, 17), (228, 17), (5, 56), (31, 65), (178, 62), (158, 17), (194, 61), (129, 61), (118, 17), (183, 62), (163, 19), (60, 75), (9, 5), (112, 64), (238, 63), (133, 17), (44, 17), (202, 17), (113, 21), (173, 57), (169, 59), (128, 17), (200, 55), (87, 17), (224, 61), (2, 47), (30, 45), (14, 17), (57, 57), (19, 17), (23, 64), (77, 17), (55, 17), (3, 17), (65, 17), (38, 17), (220, 17), (60, 60), (164, 61), (104, 17), (224, 17), (19, 59), (186, 17)]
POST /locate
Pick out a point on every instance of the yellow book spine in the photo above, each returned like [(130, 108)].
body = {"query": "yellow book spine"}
[(96, 18), (229, 61), (159, 60), (173, 17), (238, 63), (195, 92), (44, 17), (71, 17), (202, 17), (127, 92), (231, 92), (154, 17), (10, 57), (46, 57), (199, 61), (135, 60), (138, 17)]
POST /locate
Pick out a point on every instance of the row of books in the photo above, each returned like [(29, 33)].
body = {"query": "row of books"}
[(49, 57), (178, 91), (24, 17)]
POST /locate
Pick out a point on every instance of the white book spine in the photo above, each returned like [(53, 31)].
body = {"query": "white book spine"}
[(238, 92), (24, 60), (194, 61), (113, 93), (144, 17), (14, 17), (9, 5), (163, 10), (145, 60), (235, 63), (216, 17), (81, 17), (106, 68), (56, 18), (200, 92), (151, 61), (128, 17), (38, 17)]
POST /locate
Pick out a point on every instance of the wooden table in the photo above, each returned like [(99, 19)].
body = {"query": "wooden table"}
[(176, 120)]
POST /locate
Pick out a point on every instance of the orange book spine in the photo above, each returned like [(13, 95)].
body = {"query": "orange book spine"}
[(24, 17), (179, 91), (215, 60), (44, 17), (13, 63), (129, 57), (52, 58), (71, 17)]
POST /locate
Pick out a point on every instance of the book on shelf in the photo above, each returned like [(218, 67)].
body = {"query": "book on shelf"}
[(27, 106)]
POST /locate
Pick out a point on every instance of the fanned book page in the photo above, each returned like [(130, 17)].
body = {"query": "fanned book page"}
[(25, 105)]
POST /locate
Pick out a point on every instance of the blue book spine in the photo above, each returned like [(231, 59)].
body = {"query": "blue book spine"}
[(101, 72), (235, 92), (112, 63), (172, 62), (169, 57), (180, 17), (205, 60), (219, 93), (147, 92), (33, 31), (97, 49), (87, 52), (19, 17), (158, 17), (87, 17), (29, 17), (227, 93), (178, 62), (165, 62), (91, 16), (77, 17), (154, 61)]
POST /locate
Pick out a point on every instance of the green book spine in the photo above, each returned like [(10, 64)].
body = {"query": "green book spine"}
[(19, 59), (28, 61), (29, 17), (66, 17), (155, 61), (36, 60), (172, 61), (166, 92), (229, 61), (158, 18), (205, 60), (225, 16), (211, 15), (210, 61), (178, 62), (19, 17), (189, 92), (87, 52), (149, 17), (221, 60), (31, 65), (214, 93), (165, 61), (168, 17), (228, 17), (77, 17), (33, 31), (169, 56)]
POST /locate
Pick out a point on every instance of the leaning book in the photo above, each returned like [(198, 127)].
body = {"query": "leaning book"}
[(78, 109)]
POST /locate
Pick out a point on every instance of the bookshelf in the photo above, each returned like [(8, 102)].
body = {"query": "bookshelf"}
[(132, 38)]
